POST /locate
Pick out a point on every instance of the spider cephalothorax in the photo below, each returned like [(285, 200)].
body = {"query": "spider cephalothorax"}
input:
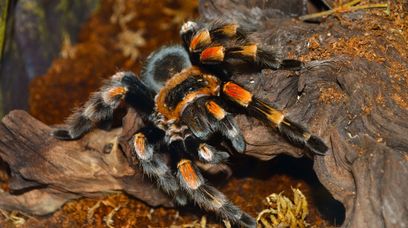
[(184, 94)]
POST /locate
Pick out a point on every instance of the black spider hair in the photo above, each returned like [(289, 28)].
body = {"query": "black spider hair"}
[(162, 64)]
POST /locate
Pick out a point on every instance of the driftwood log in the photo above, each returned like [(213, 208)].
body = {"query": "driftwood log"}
[(353, 101), (45, 172)]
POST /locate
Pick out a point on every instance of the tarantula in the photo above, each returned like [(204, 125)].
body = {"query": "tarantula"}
[(185, 96)]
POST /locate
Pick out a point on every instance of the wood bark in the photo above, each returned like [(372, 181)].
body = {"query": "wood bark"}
[(45, 172), (364, 118), (348, 100)]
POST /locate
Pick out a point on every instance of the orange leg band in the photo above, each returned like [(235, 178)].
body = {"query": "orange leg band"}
[(237, 93), (189, 174)]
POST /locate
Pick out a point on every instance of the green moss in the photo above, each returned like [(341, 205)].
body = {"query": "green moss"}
[(3, 26), (63, 6), (283, 212)]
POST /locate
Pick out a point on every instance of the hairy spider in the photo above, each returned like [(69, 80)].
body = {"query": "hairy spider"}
[(185, 96)]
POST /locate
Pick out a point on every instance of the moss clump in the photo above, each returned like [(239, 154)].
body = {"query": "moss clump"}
[(283, 212)]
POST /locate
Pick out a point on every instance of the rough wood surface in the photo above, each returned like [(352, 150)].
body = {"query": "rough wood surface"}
[(355, 100), (45, 172)]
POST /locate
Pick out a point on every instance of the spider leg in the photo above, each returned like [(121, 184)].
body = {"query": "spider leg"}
[(226, 124), (205, 152), (204, 195), (206, 117), (210, 154), (197, 36), (294, 132), (218, 42), (250, 53), (210, 159), (144, 144), (99, 109)]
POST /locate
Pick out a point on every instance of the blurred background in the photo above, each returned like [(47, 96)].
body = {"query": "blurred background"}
[(42, 38)]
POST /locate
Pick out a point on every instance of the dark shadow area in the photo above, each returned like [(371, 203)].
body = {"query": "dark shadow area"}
[(298, 169), (320, 5), (4, 175)]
